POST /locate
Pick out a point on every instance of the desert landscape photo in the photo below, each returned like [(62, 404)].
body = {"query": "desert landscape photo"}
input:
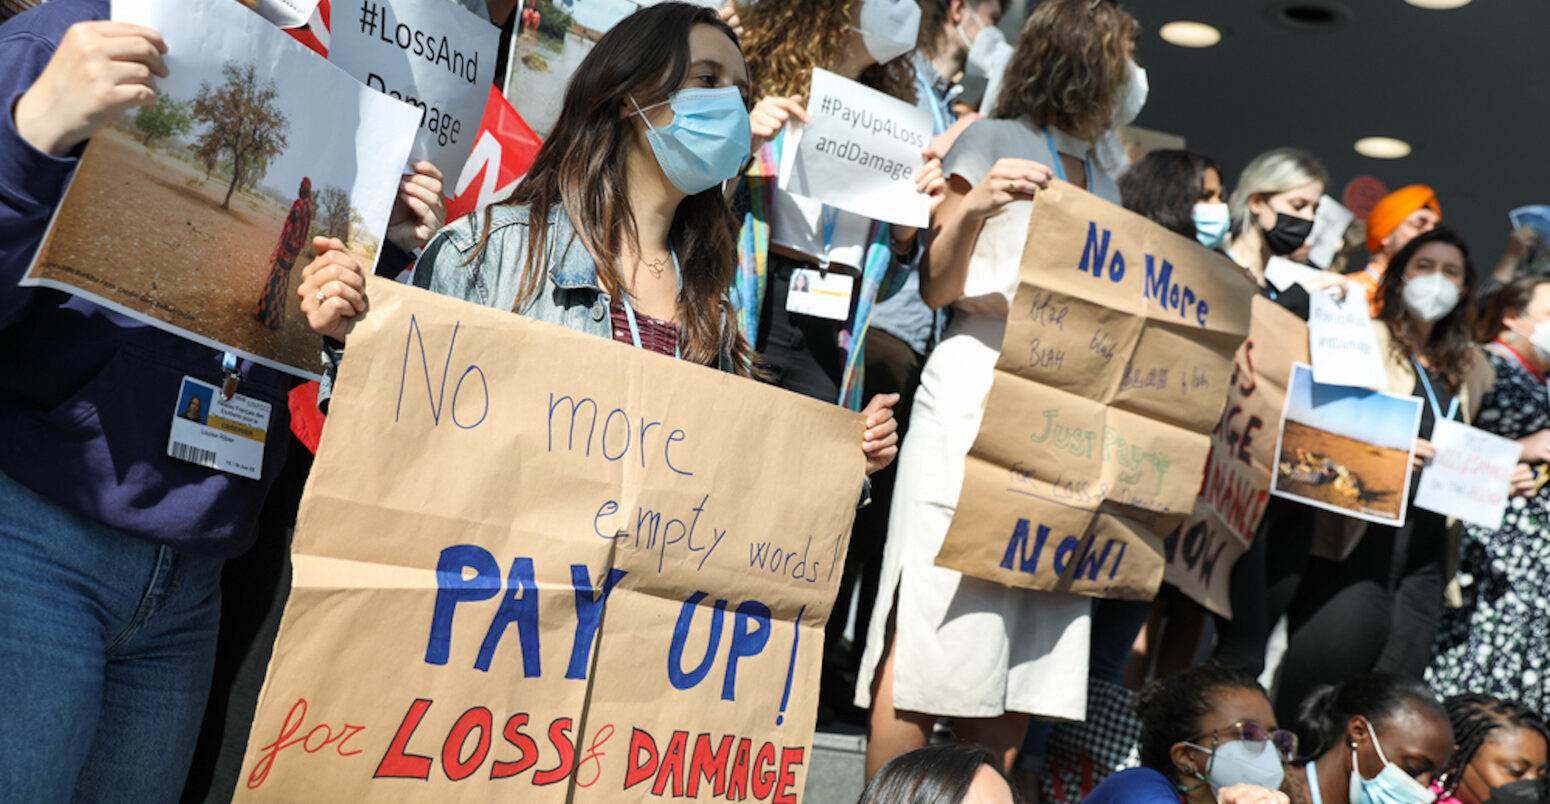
[(1346, 449)]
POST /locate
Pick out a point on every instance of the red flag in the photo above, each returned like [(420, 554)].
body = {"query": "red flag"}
[(502, 154), (316, 40)]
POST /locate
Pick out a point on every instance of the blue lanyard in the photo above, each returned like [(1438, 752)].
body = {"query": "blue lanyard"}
[(1060, 170), (1431, 396), (629, 311), (830, 215), (1313, 783)]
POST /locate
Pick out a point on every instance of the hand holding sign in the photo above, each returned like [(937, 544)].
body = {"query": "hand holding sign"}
[(420, 209), (332, 289), (769, 116), (100, 70), (1008, 180)]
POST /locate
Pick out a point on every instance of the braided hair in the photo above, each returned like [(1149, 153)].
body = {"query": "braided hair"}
[(1474, 717)]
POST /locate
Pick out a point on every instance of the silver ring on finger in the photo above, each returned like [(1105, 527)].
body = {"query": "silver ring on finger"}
[(319, 296)]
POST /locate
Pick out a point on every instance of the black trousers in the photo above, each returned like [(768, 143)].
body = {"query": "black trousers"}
[(1264, 582), (1376, 611), (801, 352), (892, 367)]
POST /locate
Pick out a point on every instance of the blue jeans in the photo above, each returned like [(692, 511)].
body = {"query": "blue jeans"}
[(106, 647)]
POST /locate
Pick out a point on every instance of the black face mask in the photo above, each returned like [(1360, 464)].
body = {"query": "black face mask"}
[(1523, 791), (1289, 233)]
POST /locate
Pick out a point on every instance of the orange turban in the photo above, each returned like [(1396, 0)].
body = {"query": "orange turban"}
[(1392, 210)]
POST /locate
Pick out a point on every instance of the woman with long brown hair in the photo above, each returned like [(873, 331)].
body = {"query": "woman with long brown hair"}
[(620, 229), (1370, 599), (941, 643)]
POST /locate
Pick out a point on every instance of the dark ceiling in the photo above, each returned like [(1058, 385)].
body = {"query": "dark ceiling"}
[(1465, 87)]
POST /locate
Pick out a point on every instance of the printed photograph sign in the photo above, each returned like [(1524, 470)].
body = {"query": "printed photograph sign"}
[(196, 214)]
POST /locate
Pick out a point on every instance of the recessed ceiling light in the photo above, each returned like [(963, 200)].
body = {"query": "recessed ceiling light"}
[(1383, 147), (1438, 5), (1189, 34)]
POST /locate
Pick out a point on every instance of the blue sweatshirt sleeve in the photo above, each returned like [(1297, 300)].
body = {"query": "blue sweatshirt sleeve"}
[(31, 182), (1134, 786)]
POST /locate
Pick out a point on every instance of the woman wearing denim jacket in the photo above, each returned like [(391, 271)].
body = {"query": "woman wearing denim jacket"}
[(620, 229)]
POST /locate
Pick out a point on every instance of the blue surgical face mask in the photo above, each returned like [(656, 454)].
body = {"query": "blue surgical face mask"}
[(1391, 786), (708, 140), (1211, 224)]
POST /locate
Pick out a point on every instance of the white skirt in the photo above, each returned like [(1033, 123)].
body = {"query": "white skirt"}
[(967, 647)]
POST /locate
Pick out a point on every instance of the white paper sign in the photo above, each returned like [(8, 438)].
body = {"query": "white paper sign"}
[(432, 54), (1328, 235), (1470, 478), (861, 152), (1282, 273), (1341, 341)]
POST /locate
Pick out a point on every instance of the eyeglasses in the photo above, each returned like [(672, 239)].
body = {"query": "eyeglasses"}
[(1257, 737)]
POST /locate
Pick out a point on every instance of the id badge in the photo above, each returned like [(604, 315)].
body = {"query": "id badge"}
[(824, 294), (217, 433)]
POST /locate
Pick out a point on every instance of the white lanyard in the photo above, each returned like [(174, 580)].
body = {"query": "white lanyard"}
[(1431, 396), (1313, 784), (629, 311)]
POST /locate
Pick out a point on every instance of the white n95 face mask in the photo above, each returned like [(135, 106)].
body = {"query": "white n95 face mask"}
[(1130, 97), (982, 61), (1540, 339), (889, 28), (1430, 297), (1236, 762)]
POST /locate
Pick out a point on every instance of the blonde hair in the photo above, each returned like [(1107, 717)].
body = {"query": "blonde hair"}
[(784, 40), (1070, 59), (1272, 172)]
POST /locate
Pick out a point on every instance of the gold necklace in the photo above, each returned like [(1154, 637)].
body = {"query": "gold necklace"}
[(656, 266)]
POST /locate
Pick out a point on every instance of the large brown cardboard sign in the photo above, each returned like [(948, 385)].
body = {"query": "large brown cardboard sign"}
[(534, 565), (1200, 553), (1112, 374)]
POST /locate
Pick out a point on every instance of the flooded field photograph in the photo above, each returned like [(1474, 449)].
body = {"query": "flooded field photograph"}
[(1347, 450)]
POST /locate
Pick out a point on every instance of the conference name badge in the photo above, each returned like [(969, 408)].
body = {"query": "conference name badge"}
[(825, 294), (223, 434)]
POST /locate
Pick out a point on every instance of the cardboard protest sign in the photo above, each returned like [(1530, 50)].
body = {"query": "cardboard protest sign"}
[(196, 214), (536, 565), (503, 152), (1113, 373), (1235, 489), (1346, 450), (432, 54), (1341, 343), (1470, 478), (861, 152)]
